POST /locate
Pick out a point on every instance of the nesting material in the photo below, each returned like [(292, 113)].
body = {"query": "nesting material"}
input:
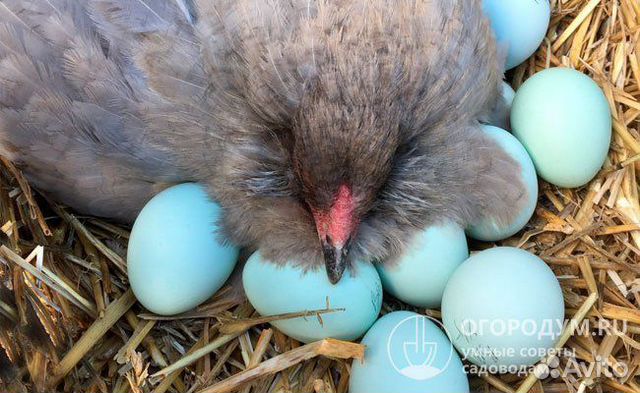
[(68, 317)]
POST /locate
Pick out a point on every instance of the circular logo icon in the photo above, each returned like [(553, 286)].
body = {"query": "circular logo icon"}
[(414, 349)]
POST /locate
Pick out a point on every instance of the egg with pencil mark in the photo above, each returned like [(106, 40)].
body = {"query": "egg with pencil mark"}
[(276, 289), (175, 259), (503, 307)]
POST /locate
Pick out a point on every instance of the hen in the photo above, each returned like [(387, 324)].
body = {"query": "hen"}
[(329, 131)]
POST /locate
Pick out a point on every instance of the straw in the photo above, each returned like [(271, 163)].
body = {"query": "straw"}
[(69, 321)]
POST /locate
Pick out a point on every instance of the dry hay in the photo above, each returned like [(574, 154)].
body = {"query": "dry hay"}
[(68, 319)]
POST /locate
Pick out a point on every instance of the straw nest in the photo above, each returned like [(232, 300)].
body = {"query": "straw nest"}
[(68, 320)]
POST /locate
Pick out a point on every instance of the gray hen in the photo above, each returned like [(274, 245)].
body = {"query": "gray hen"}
[(328, 130)]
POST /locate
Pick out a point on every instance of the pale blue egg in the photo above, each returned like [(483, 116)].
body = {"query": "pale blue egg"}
[(489, 228), (506, 307), (508, 94), (563, 120), (274, 289), (420, 274), (174, 259), (519, 26), (409, 353)]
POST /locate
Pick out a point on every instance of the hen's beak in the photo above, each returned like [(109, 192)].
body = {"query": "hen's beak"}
[(335, 259)]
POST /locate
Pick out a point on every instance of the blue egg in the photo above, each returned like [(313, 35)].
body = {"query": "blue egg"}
[(174, 260), (506, 307), (419, 276), (563, 119), (274, 289), (519, 25), (489, 228), (409, 353), (508, 94)]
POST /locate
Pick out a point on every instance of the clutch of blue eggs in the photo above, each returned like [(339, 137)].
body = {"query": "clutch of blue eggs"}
[(502, 307)]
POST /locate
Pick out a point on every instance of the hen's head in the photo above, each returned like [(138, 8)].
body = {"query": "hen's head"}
[(308, 193), (341, 158)]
